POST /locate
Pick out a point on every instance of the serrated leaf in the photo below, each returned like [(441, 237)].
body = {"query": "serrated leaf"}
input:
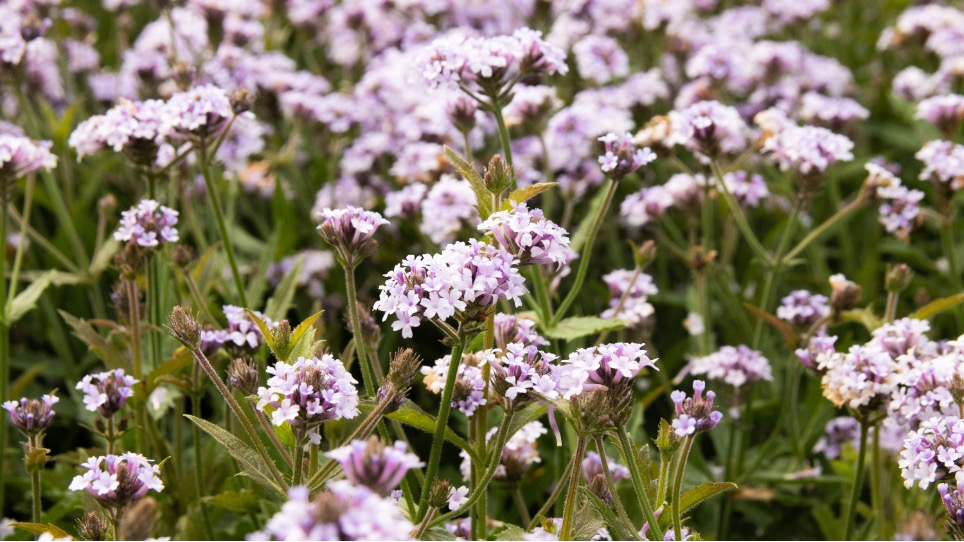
[(411, 414), (300, 335), (41, 528), (280, 302), (98, 344), (580, 326), (617, 528), (788, 335), (509, 531), (937, 306), (252, 464), (27, 299), (864, 317), (242, 502), (263, 327), (179, 360), (524, 194), (695, 496), (469, 173), (587, 522), (530, 413)]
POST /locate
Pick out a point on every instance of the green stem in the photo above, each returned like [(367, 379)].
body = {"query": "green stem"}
[(823, 227), (639, 487), (520, 503), (773, 274), (857, 485), (272, 436), (4, 353), (503, 134), (438, 439), (678, 486), (739, 215), (586, 250), (212, 191), (154, 316), (890, 311), (663, 480), (18, 257), (199, 456), (544, 310), (948, 247), (877, 498), (554, 496), (361, 345), (572, 493), (611, 485), (35, 484), (299, 460), (424, 524)]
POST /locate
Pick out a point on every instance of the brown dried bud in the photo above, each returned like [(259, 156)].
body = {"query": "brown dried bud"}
[(93, 526), (241, 100), (107, 204), (129, 261), (438, 496), (184, 328), (844, 293), (599, 488), (403, 367), (243, 376), (645, 253), (182, 255), (700, 259)]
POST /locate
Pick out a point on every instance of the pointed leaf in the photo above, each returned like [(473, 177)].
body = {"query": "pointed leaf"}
[(263, 327), (98, 344), (411, 414), (587, 522), (304, 326), (694, 497), (252, 464), (280, 302), (529, 192), (784, 328), (864, 316), (41, 528), (618, 528), (27, 299), (580, 326), (509, 531), (938, 306), (179, 360), (243, 502), (469, 173)]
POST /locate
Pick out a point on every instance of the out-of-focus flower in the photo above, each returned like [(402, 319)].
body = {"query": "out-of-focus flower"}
[(839, 431), (510, 328), (201, 112), (736, 366), (518, 455), (31, 416), (136, 129), (629, 298), (802, 308), (21, 156), (709, 128), (622, 157), (116, 481), (600, 59), (943, 163), (933, 452), (592, 465), (946, 112), (106, 393), (350, 232), (447, 209), (807, 150), (374, 465)]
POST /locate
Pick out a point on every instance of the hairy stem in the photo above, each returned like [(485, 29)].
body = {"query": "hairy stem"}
[(572, 494), (639, 487), (361, 345), (857, 485), (611, 485), (212, 190), (678, 486)]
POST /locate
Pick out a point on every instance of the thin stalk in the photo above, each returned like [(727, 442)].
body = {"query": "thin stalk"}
[(823, 227), (4, 354), (586, 250), (424, 524), (703, 292), (134, 321), (212, 191), (199, 456), (361, 344), (773, 273), (890, 312), (877, 498), (520, 503), (544, 309), (611, 485), (554, 496), (663, 481), (272, 436), (18, 256), (639, 487), (299, 462), (948, 247), (678, 486), (739, 215), (111, 437), (35, 483), (572, 494), (236, 408), (154, 317), (851, 513), (441, 423), (496, 108)]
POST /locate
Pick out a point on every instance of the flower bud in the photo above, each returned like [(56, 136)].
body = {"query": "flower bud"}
[(599, 488), (243, 376), (438, 496), (93, 526), (700, 259), (350, 231), (182, 255), (184, 328), (403, 367), (844, 293), (499, 176), (242, 100), (898, 278), (32, 416), (644, 254), (137, 523)]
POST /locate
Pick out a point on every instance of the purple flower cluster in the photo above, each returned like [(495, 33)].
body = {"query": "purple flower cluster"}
[(622, 156), (308, 392), (943, 163), (600, 59), (899, 205), (469, 393), (944, 112), (629, 297), (202, 112), (953, 500), (32, 416), (528, 235), (807, 150), (448, 208), (694, 414), (116, 481), (148, 225), (106, 392), (520, 452), (21, 156), (374, 465), (709, 128), (138, 129), (646, 206), (604, 365), (802, 309), (242, 332), (511, 328), (838, 432), (342, 512), (831, 112), (736, 366), (461, 281), (350, 232), (748, 189), (933, 452), (521, 369)]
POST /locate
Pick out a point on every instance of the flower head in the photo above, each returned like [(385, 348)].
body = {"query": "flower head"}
[(736, 366), (32, 416), (521, 369), (202, 112), (629, 297), (528, 235), (374, 465), (106, 393), (606, 365), (116, 481), (802, 309), (149, 225), (518, 455), (136, 129), (350, 232), (943, 163), (933, 452), (21, 156), (308, 392), (622, 156), (946, 112), (694, 414), (807, 150), (709, 128), (510, 328)]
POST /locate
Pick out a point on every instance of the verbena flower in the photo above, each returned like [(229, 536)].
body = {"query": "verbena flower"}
[(116, 481), (136, 129), (694, 414), (736, 366), (829, 111), (747, 189), (622, 156), (592, 466), (802, 308), (148, 225), (945, 112), (528, 235), (953, 501), (447, 209), (510, 328), (374, 465), (709, 128), (201, 112), (600, 59), (468, 394), (632, 300), (106, 392), (458, 496), (943, 163), (308, 392), (521, 369), (837, 433), (242, 335), (21, 156), (31, 416), (463, 282), (862, 378), (605, 365), (807, 149), (646, 206), (933, 452), (350, 232), (342, 512)]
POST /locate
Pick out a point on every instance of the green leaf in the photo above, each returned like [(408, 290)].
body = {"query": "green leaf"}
[(469, 173), (104, 257), (694, 497), (864, 317), (937, 306), (582, 231), (412, 415), (263, 327), (280, 302), (242, 502), (41, 528), (509, 531), (179, 360), (529, 192), (618, 528), (788, 335), (252, 465), (587, 522), (299, 335), (283, 431), (27, 299), (530, 413), (580, 326), (97, 343)]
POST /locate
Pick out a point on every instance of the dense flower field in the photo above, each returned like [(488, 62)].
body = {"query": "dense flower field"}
[(481, 269)]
